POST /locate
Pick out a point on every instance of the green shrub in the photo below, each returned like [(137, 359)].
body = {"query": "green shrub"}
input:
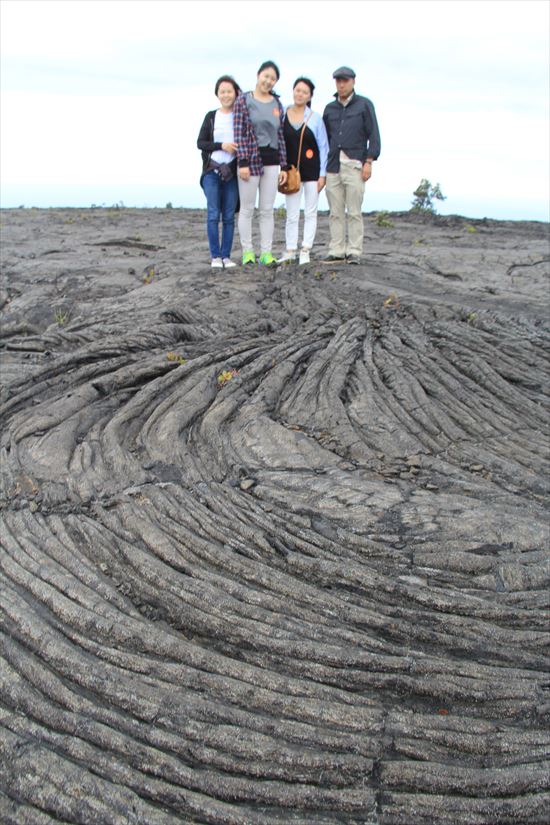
[(383, 219), (424, 195)]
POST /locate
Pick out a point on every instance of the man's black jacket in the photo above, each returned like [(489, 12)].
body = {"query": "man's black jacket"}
[(353, 128)]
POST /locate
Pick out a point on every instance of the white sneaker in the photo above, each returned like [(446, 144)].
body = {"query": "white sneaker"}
[(228, 263), (288, 257), (304, 256), (217, 263)]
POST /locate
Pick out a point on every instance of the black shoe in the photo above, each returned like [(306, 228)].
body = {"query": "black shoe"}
[(353, 259), (334, 258)]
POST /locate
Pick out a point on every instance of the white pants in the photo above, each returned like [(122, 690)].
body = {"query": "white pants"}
[(311, 199), (267, 185)]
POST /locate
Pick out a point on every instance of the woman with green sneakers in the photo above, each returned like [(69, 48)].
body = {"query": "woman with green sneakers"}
[(258, 120)]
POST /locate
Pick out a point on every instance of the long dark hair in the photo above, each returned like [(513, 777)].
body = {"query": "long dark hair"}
[(226, 78), (269, 64)]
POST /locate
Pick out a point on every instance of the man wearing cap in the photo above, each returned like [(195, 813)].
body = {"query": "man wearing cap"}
[(354, 143)]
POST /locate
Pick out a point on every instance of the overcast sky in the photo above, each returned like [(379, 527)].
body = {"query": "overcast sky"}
[(102, 100)]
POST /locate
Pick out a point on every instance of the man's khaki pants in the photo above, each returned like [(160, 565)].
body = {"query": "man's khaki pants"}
[(345, 190)]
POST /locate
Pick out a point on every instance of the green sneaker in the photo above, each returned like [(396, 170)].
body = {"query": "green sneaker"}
[(267, 259), (249, 257)]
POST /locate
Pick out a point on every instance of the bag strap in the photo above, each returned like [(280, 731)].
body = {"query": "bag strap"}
[(301, 140)]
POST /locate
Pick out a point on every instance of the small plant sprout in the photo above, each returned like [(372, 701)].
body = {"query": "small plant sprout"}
[(174, 356), (226, 376), (424, 195), (392, 301), (149, 275), (61, 317)]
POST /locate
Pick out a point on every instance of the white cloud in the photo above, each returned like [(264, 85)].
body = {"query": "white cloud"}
[(114, 91), (125, 139)]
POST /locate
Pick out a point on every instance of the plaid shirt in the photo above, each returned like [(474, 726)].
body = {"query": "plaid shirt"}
[(248, 153)]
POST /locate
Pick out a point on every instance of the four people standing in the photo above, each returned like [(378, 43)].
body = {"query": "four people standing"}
[(341, 146)]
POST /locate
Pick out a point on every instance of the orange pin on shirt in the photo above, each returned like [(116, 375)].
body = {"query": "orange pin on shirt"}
[(309, 153), (275, 113)]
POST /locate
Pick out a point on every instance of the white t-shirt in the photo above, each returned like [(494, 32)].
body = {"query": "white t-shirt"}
[(347, 161), (223, 133)]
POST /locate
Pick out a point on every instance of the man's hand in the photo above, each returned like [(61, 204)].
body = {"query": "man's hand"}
[(244, 173), (366, 172), (282, 177), (321, 184)]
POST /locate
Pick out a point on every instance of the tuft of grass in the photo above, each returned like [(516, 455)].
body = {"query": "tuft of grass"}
[(61, 317), (174, 356), (383, 219), (392, 301), (471, 229), (149, 275)]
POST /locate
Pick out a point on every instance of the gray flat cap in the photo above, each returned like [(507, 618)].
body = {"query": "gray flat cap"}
[(344, 71)]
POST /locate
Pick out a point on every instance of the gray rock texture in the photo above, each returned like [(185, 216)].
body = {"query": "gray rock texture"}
[(274, 543)]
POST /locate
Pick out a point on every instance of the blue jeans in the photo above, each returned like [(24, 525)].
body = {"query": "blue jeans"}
[(221, 201)]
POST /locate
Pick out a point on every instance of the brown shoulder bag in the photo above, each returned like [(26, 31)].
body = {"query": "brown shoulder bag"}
[(293, 177)]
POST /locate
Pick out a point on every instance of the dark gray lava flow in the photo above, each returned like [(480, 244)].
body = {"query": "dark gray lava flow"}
[(274, 543)]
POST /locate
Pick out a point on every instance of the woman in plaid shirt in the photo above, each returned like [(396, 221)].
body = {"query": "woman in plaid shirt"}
[(258, 120)]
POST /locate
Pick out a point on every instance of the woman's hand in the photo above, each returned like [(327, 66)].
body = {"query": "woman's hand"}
[(244, 172), (282, 177), (321, 184), (229, 147)]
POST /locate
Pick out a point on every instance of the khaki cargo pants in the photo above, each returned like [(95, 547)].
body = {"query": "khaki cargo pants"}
[(345, 191)]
